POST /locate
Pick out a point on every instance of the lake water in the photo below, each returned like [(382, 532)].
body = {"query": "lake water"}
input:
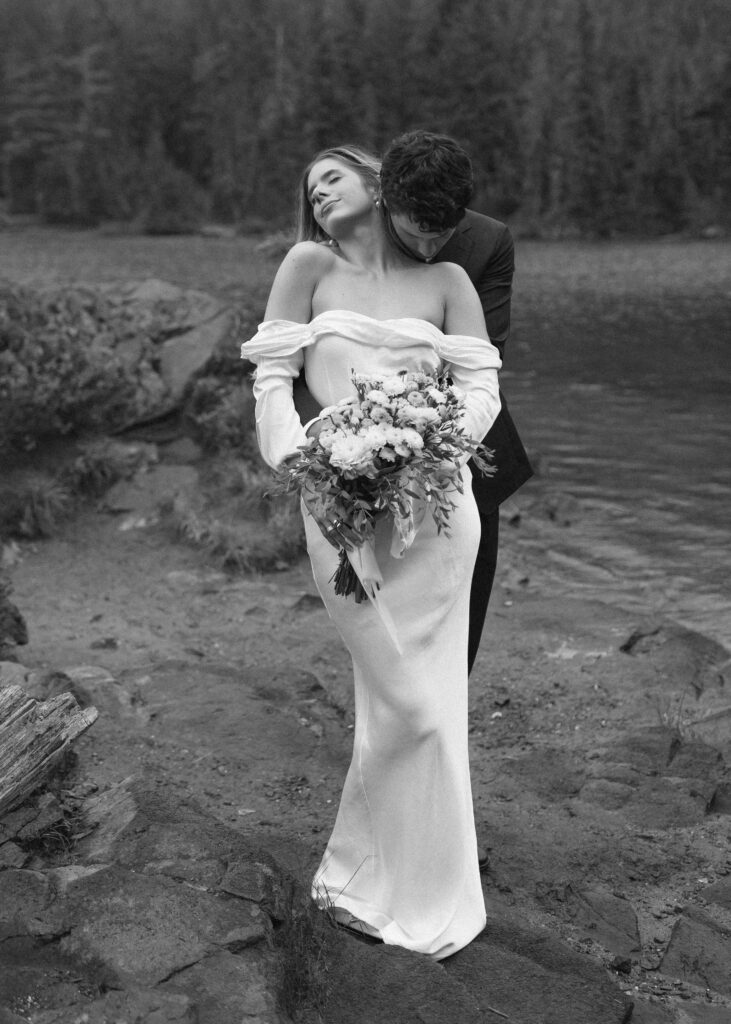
[(627, 404)]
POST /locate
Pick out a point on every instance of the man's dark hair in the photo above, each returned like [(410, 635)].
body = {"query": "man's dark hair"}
[(428, 177)]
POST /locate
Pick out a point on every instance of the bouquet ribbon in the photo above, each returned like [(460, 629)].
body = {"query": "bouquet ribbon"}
[(365, 565)]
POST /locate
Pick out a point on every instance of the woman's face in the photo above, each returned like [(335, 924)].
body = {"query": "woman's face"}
[(337, 193)]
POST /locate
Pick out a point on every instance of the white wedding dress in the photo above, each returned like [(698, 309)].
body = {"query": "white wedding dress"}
[(402, 857)]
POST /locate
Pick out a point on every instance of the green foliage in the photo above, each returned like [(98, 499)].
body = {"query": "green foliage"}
[(580, 115), (302, 940), (100, 463), (33, 502), (63, 369), (35, 508), (238, 521), (220, 413), (241, 545), (58, 120)]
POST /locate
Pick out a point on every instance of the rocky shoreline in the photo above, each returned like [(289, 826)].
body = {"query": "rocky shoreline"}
[(196, 807)]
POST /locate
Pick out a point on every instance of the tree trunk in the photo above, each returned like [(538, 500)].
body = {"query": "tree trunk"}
[(34, 735)]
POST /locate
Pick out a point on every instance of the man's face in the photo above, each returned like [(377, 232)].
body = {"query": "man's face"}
[(423, 244)]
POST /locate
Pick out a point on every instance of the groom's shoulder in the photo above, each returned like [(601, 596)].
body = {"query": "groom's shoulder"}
[(482, 225)]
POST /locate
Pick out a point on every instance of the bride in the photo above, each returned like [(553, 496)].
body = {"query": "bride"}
[(401, 864)]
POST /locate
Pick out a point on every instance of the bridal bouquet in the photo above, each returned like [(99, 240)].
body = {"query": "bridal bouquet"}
[(394, 448)]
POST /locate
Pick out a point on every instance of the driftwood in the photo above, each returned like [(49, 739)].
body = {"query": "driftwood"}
[(34, 736)]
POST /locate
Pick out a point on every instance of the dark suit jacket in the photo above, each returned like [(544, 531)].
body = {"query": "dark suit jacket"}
[(484, 247)]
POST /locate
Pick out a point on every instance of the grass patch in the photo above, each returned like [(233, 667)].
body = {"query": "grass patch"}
[(237, 521), (41, 492), (302, 941)]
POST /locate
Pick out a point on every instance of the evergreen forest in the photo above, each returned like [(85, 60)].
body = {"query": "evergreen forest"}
[(583, 117)]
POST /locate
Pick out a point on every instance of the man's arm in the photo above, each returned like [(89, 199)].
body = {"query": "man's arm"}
[(495, 286)]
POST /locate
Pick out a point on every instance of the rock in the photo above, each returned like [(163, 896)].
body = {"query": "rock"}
[(42, 986), (149, 489), (22, 895), (714, 729), (152, 291), (684, 653), (144, 928), (13, 674), (154, 833), (12, 856), (185, 355), (7, 1017), (653, 1013), (228, 989), (656, 778), (153, 1006), (721, 802), (699, 952), (719, 893), (530, 976), (705, 1013), (185, 905), (605, 918), (93, 685), (369, 984), (550, 773), (183, 450)]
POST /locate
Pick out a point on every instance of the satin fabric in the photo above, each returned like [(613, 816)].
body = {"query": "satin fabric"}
[(402, 857)]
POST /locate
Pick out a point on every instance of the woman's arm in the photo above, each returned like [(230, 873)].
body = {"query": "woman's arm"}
[(278, 427), (462, 310), (294, 284), (476, 372)]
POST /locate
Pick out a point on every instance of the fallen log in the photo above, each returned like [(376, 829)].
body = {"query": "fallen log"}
[(34, 736)]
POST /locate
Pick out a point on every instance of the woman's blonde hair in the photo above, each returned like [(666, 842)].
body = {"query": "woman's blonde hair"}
[(365, 164)]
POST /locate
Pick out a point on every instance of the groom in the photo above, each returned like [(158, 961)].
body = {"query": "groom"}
[(426, 184)]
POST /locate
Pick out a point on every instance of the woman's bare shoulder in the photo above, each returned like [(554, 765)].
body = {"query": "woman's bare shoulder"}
[(450, 273), (310, 254)]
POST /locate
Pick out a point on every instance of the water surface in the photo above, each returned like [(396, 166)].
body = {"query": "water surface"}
[(623, 392)]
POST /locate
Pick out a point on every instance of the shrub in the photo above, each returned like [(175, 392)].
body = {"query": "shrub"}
[(36, 508), (238, 521), (74, 361), (220, 414)]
